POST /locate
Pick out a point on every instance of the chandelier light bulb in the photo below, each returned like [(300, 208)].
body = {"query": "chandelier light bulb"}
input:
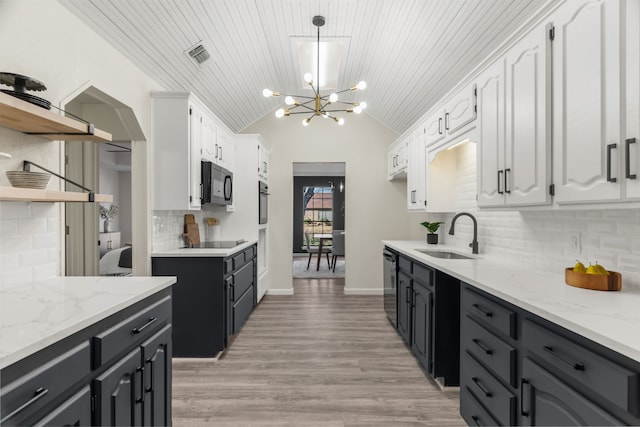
[(363, 105), (362, 85), (333, 97), (280, 113), (289, 100), (267, 93), (325, 115), (357, 109), (340, 121), (305, 122), (308, 77)]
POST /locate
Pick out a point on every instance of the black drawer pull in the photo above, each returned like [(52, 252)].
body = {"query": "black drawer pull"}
[(476, 419), (486, 392), (609, 148), (482, 310), (37, 395), (577, 366), (522, 384), (483, 347), (150, 322), (627, 158)]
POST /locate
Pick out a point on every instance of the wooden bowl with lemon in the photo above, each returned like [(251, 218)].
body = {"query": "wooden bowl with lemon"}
[(594, 277)]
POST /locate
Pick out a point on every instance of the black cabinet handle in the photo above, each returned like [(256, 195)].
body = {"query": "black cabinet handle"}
[(522, 384), (37, 395), (577, 365), (408, 298), (150, 322), (610, 147), (483, 347), (500, 172), (506, 180), (446, 121), (486, 392), (476, 420), (482, 310), (440, 125), (232, 292), (627, 156)]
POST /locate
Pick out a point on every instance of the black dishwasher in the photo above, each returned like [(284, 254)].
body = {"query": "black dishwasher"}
[(390, 260)]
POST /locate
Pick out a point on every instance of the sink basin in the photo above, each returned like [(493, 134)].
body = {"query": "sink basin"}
[(443, 254)]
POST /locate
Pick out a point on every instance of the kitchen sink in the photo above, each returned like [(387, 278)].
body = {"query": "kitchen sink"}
[(443, 254)]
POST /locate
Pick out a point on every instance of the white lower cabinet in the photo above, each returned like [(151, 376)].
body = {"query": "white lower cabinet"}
[(588, 151), (514, 159)]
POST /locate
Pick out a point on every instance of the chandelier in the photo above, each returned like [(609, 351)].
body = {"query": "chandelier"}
[(318, 105)]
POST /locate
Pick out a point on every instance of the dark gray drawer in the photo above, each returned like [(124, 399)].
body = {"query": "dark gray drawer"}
[(489, 312), (239, 260), (472, 411), (490, 350), (26, 395), (242, 280), (404, 264), (130, 331), (423, 274), (611, 381), (500, 402), (228, 265), (242, 309), (76, 411)]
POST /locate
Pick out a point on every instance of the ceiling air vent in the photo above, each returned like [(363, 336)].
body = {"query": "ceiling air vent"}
[(199, 53)]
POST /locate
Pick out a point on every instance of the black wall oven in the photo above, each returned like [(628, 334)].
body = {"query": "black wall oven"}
[(263, 202)]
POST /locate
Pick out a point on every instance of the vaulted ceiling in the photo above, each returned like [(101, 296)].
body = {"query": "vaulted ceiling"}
[(410, 52)]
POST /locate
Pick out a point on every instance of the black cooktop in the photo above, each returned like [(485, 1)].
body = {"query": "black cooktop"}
[(219, 244)]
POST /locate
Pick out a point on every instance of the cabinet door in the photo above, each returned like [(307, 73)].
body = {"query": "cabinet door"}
[(421, 324), (404, 307), (490, 151), (209, 139), (76, 411), (119, 393), (157, 378), (460, 110), (546, 401), (195, 147), (416, 173), (401, 157), (391, 164), (226, 151), (528, 139), (586, 105), (632, 142), (434, 130)]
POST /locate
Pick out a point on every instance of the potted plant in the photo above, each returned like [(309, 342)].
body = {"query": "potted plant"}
[(108, 215), (432, 227)]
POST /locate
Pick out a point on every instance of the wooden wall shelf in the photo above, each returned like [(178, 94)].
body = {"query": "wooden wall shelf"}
[(33, 120), (32, 195)]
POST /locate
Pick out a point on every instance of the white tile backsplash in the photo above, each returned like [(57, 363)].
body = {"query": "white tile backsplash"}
[(540, 238), (168, 227), (29, 244)]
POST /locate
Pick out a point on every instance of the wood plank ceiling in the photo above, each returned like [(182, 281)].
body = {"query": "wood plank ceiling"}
[(410, 52)]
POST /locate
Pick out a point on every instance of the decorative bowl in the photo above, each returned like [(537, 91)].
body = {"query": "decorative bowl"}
[(37, 180), (598, 282)]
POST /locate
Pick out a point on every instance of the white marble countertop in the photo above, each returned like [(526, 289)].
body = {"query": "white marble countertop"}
[(203, 252), (609, 318), (36, 315)]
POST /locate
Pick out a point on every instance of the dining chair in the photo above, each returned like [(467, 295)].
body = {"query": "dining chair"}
[(315, 250), (337, 249)]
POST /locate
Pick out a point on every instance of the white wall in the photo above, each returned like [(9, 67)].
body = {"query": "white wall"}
[(42, 39), (375, 207), (540, 238)]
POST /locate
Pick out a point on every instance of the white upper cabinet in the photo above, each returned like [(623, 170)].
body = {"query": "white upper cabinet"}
[(490, 150), (515, 146), (176, 151), (209, 139), (452, 120), (263, 161), (226, 151), (588, 151), (416, 172), (632, 136), (397, 160), (527, 163)]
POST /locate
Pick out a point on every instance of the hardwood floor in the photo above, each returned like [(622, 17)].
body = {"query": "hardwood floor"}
[(318, 358)]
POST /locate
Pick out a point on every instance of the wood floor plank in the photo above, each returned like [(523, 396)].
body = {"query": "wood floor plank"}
[(317, 358)]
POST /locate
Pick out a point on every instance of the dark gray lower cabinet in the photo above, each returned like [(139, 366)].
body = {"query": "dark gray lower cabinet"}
[(404, 307), (519, 369), (428, 318), (213, 299), (116, 372)]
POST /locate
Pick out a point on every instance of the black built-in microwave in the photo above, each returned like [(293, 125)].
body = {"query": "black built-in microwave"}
[(217, 184)]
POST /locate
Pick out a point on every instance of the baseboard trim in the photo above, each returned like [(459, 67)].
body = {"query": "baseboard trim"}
[(363, 291), (287, 292)]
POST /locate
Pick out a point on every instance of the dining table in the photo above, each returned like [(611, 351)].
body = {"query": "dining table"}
[(322, 237)]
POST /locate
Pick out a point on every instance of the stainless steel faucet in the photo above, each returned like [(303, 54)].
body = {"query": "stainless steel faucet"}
[(474, 244)]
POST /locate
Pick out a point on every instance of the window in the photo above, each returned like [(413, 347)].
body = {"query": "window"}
[(318, 211)]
